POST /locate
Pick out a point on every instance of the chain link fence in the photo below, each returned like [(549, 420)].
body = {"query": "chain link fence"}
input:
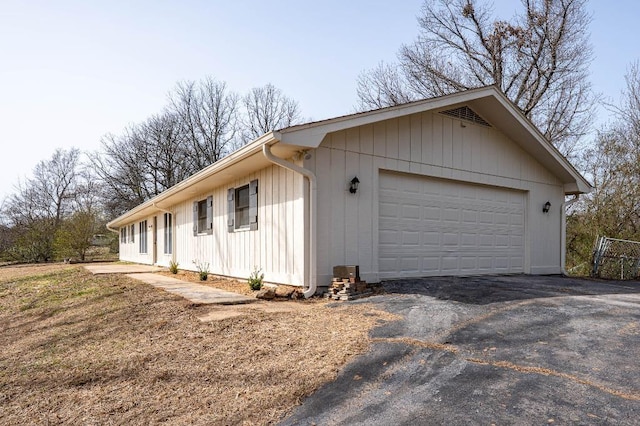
[(616, 259)]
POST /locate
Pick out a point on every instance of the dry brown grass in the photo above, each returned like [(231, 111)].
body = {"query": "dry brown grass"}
[(8, 273), (84, 349)]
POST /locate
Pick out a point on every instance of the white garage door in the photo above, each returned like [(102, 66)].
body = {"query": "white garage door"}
[(441, 227)]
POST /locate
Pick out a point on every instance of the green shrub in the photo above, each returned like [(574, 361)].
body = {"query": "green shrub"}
[(255, 279), (173, 267), (203, 269)]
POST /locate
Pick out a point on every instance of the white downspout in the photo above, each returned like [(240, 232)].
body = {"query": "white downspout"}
[(311, 285), (563, 233)]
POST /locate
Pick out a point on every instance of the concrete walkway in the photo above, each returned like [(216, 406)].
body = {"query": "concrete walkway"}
[(195, 293)]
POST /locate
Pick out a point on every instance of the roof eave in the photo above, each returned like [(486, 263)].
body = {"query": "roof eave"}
[(311, 134), (578, 184)]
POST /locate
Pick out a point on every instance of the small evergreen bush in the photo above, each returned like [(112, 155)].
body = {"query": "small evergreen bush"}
[(203, 269), (255, 279)]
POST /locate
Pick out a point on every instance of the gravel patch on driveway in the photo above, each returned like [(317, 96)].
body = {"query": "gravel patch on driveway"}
[(493, 350)]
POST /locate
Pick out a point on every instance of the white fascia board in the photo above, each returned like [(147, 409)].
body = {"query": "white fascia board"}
[(150, 205), (581, 184), (311, 135)]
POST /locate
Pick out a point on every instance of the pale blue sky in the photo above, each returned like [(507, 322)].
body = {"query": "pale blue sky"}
[(71, 71)]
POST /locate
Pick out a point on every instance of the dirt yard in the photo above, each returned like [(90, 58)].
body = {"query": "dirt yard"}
[(84, 349)]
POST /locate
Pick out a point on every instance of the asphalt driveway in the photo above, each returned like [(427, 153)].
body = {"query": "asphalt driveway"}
[(493, 350)]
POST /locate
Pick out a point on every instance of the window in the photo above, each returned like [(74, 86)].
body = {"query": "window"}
[(143, 236), (242, 204), (242, 207), (168, 233), (132, 232), (203, 216), (123, 235)]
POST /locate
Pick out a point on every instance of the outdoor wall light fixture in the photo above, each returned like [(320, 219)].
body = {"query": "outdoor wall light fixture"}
[(546, 207), (353, 185)]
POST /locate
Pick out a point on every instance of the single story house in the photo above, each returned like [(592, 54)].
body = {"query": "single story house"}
[(462, 184)]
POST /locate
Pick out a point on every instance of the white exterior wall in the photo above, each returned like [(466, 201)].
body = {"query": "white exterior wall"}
[(277, 246), (130, 251), (428, 144)]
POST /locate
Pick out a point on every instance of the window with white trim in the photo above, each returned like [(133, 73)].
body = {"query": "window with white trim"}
[(132, 232), (168, 233), (203, 216), (242, 206), (143, 237), (123, 234)]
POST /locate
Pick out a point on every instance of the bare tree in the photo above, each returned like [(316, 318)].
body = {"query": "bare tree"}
[(119, 168), (613, 165), (208, 114), (199, 127), (49, 192), (267, 109), (539, 59), (39, 205), (142, 162)]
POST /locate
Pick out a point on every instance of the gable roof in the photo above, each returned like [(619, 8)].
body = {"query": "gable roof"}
[(487, 102)]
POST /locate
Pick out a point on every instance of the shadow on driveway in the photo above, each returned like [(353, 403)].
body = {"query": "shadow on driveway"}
[(492, 350), (481, 290)]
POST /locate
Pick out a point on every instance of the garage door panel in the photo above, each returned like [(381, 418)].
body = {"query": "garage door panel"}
[(485, 263), (517, 241), (411, 211), (450, 241), (502, 241), (388, 237), (431, 263), (485, 217), (411, 238), (410, 264), (517, 262), (485, 241), (516, 219), (389, 210), (502, 218), (470, 216), (469, 240), (431, 239), (451, 215), (468, 263), (450, 264), (431, 213), (441, 227)]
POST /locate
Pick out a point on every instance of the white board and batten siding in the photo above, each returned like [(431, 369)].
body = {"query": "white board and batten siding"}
[(130, 250), (457, 163), (276, 247)]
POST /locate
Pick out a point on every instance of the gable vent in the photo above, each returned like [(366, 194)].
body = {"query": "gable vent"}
[(466, 113)]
